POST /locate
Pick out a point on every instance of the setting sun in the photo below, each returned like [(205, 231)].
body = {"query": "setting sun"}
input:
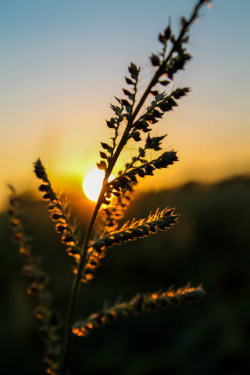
[(92, 184)]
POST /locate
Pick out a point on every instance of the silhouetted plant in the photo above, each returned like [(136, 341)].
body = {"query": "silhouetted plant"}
[(131, 122), (38, 288)]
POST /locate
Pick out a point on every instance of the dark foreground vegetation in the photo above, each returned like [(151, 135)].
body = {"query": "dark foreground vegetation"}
[(211, 243)]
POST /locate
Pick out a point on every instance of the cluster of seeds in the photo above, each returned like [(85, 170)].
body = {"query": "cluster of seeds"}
[(147, 169), (122, 198), (162, 220), (37, 288), (58, 213), (122, 114), (162, 103), (139, 304)]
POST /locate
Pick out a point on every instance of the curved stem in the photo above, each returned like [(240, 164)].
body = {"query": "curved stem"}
[(122, 143), (76, 285)]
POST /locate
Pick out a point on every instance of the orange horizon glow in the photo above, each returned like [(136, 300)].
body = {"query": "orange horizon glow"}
[(57, 93)]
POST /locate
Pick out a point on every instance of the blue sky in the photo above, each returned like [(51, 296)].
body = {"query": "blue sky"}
[(62, 62)]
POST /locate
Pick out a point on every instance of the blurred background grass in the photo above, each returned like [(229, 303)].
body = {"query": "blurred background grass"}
[(209, 245)]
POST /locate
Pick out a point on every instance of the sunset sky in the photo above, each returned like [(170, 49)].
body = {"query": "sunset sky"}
[(63, 61)]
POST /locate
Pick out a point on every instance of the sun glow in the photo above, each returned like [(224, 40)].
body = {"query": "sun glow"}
[(92, 184)]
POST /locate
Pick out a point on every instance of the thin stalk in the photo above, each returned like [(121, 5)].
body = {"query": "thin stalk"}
[(75, 286), (77, 279), (122, 143)]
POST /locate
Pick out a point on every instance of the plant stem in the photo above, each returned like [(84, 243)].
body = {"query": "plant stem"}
[(122, 143), (77, 279), (75, 287)]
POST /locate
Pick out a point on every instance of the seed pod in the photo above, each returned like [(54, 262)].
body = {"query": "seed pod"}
[(155, 60), (103, 155), (136, 136), (164, 106), (126, 92), (110, 124), (167, 32), (133, 70), (141, 173), (164, 83), (129, 81), (67, 237), (40, 171), (73, 251), (105, 146), (44, 187), (125, 103), (56, 216), (61, 228), (102, 165), (149, 170), (162, 39)]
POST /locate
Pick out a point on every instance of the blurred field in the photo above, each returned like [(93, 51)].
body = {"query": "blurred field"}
[(209, 245)]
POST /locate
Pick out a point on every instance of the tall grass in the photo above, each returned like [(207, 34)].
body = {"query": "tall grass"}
[(132, 121)]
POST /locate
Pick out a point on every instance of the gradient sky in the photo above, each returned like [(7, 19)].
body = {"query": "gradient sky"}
[(62, 62)]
